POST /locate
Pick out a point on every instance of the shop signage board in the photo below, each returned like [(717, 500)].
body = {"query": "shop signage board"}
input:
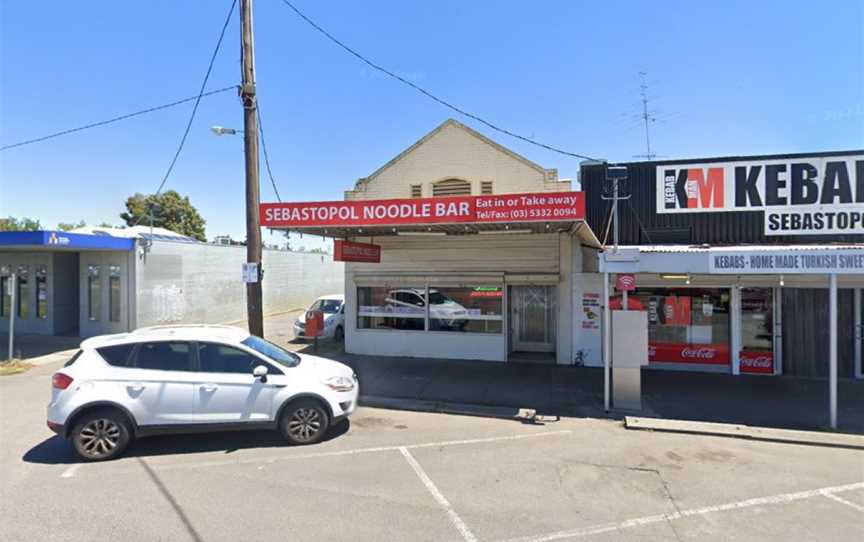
[(349, 251), (800, 196), (740, 262), (530, 207)]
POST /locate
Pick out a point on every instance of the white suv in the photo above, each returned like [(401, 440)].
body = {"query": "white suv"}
[(190, 379)]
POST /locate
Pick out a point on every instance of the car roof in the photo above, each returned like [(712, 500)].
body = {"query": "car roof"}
[(220, 333), (338, 297)]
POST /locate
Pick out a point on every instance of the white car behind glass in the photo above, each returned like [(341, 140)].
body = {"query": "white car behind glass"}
[(177, 379)]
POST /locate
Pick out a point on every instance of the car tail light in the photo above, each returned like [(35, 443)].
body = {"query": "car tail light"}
[(61, 381)]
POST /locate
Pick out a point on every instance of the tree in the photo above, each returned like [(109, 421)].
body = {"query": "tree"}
[(11, 223), (170, 211), (66, 226)]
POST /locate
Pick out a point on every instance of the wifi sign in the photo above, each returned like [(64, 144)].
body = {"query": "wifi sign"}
[(626, 282)]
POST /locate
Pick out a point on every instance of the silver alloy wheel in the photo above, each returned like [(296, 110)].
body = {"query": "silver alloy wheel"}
[(99, 437), (305, 423)]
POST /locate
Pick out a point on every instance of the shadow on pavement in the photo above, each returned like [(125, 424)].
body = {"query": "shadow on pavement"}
[(58, 451)]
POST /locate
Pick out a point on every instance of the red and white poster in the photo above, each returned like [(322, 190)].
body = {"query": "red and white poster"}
[(706, 354), (349, 251), (757, 361), (533, 207)]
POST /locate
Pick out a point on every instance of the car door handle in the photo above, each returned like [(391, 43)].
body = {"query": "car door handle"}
[(136, 387), (209, 387)]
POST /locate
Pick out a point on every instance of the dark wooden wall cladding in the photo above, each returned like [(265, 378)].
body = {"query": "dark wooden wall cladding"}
[(805, 332), (640, 224)]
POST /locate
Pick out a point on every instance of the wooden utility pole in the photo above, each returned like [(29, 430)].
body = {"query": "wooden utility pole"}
[(254, 309)]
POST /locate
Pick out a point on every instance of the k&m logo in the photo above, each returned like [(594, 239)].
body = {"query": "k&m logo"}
[(694, 188)]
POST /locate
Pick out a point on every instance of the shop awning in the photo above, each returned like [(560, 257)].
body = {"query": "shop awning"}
[(527, 213)]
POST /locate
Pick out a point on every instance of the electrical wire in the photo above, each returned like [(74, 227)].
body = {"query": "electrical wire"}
[(264, 148), (116, 119), (195, 107), (428, 94)]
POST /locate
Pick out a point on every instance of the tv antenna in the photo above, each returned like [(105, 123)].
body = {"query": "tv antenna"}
[(647, 117)]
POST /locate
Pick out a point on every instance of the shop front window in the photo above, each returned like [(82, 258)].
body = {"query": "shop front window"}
[(757, 323), (41, 292), (22, 285), (94, 293), (475, 309), (685, 325), (114, 292), (401, 307)]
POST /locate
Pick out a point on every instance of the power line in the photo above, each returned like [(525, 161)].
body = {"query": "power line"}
[(266, 157), (197, 100), (116, 119), (426, 92)]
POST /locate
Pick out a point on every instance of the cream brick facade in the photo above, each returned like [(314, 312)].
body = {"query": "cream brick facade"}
[(455, 151)]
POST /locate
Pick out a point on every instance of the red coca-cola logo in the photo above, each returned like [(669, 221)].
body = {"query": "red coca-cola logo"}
[(698, 353), (761, 361)]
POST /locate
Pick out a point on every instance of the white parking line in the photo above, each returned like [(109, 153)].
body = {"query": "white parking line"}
[(841, 500), (70, 472), (647, 520), (439, 498), (355, 451)]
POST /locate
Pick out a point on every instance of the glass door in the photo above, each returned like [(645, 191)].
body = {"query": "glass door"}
[(533, 318), (757, 330)]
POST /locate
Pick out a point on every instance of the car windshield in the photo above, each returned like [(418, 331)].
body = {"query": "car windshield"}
[(272, 351), (329, 306)]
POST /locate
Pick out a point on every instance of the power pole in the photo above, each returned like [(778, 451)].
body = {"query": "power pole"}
[(254, 308)]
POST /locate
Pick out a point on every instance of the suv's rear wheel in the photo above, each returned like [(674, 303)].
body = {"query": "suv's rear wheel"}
[(304, 422), (100, 435)]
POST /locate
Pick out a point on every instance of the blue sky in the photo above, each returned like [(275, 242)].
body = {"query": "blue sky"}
[(730, 78)]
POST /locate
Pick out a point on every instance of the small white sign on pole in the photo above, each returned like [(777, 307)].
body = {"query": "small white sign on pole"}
[(250, 272)]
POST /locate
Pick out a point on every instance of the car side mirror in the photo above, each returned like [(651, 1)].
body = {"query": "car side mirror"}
[(260, 372)]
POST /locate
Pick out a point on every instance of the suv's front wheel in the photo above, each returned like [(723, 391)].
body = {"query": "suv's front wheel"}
[(100, 435), (304, 422)]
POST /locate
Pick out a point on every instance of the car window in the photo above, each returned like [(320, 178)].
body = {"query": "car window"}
[(329, 306), (272, 351), (164, 356), (220, 358), (117, 355)]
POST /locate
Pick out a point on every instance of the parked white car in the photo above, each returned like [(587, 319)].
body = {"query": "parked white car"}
[(333, 307), (177, 379)]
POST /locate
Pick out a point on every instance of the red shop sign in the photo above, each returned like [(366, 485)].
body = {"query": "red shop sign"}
[(706, 354), (531, 207), (349, 251), (757, 361)]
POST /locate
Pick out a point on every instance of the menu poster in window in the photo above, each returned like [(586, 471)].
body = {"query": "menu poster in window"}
[(591, 309), (676, 311)]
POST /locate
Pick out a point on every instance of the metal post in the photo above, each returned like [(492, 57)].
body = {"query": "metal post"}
[(13, 309), (735, 321), (832, 348), (624, 300), (254, 309), (858, 333), (615, 213), (607, 344)]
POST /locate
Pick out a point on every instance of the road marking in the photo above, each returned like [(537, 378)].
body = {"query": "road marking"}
[(647, 520), (70, 472), (439, 498), (355, 451), (841, 500)]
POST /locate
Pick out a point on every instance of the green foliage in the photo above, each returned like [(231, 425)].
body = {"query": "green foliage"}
[(66, 226), (172, 211), (19, 224)]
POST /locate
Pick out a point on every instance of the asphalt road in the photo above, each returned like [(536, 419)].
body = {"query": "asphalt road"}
[(393, 475)]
